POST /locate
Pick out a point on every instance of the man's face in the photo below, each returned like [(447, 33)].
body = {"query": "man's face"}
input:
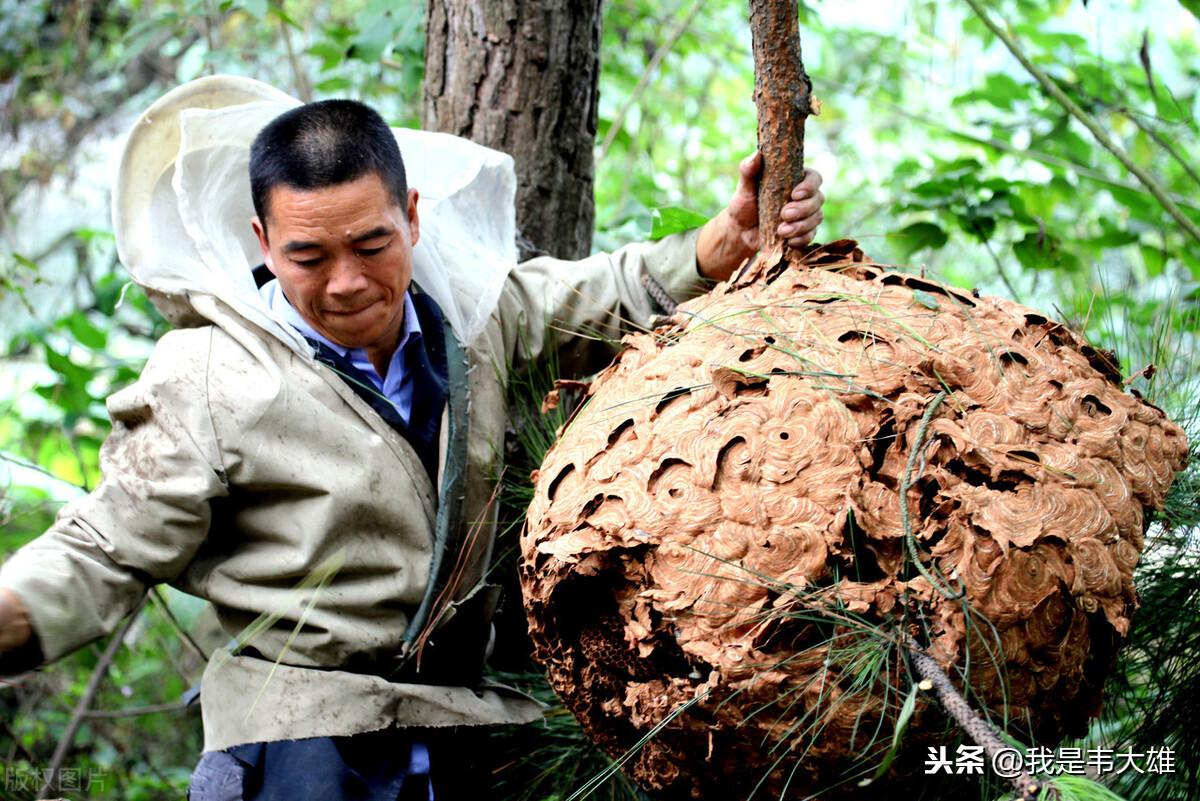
[(343, 257)]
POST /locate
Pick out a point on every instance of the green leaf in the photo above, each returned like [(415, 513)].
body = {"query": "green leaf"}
[(920, 235), (999, 89), (1155, 260), (1112, 237), (333, 85), (85, 332), (673, 219), (374, 37), (980, 226), (1041, 251), (330, 53), (62, 365), (90, 235)]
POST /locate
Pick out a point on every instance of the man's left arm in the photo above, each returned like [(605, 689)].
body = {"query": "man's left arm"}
[(546, 302)]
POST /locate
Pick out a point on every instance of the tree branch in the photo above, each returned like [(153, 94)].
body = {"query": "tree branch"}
[(161, 604), (135, 711), (644, 81), (85, 702), (783, 97), (1161, 142), (300, 78), (1149, 181), (978, 729)]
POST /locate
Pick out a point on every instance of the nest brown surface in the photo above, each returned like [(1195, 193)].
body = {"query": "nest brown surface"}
[(715, 550)]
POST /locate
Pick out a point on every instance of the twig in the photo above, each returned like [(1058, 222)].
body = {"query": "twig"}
[(85, 703), (208, 34), (1161, 142), (987, 243), (5, 457), (1149, 181), (135, 711), (17, 745), (298, 74), (160, 603), (644, 81), (979, 730)]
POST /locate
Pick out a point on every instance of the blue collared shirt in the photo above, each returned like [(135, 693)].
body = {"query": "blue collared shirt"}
[(397, 387)]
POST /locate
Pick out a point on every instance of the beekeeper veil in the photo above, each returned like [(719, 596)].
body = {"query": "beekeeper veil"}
[(182, 208)]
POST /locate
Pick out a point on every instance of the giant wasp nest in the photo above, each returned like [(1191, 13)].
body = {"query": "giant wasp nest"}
[(715, 553)]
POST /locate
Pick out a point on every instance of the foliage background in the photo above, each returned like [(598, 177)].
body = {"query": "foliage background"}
[(939, 151)]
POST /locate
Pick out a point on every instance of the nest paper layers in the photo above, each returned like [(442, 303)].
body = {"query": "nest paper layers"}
[(715, 551)]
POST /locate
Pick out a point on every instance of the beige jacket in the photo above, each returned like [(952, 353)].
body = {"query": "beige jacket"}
[(246, 473)]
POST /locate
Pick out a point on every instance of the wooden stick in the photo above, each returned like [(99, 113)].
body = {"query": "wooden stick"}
[(782, 93)]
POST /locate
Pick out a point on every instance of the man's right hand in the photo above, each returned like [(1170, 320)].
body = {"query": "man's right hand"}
[(18, 647)]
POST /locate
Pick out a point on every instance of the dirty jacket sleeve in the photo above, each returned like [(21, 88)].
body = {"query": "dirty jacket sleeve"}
[(546, 302), (145, 520)]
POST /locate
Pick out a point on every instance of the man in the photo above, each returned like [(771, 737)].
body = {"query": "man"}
[(314, 455)]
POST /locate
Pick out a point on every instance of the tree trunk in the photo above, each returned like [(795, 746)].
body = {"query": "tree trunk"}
[(521, 76), (782, 92)]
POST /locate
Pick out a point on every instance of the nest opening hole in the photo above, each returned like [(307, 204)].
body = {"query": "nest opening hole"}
[(1094, 406), (553, 488), (656, 476), (1010, 358), (671, 396), (865, 337), (620, 430), (880, 443), (860, 564), (1006, 481), (723, 466), (751, 353)]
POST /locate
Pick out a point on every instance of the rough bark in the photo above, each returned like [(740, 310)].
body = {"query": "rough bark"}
[(521, 76), (782, 92)]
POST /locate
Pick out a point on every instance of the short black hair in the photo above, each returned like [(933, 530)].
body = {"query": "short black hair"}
[(324, 144)]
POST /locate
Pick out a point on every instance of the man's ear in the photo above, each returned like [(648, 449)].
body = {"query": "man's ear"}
[(260, 231), (414, 225)]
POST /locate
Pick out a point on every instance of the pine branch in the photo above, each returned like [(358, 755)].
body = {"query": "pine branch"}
[(1058, 95), (934, 678)]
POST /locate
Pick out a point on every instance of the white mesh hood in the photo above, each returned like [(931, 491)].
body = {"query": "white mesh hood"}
[(182, 207)]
